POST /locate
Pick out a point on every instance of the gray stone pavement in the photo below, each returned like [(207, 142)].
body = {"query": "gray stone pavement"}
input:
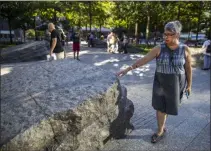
[(189, 131)]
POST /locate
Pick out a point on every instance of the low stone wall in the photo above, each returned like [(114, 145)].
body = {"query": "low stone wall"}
[(32, 51), (61, 105)]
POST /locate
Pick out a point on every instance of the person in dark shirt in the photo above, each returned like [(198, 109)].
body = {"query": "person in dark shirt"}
[(124, 42), (76, 45), (91, 39), (55, 43)]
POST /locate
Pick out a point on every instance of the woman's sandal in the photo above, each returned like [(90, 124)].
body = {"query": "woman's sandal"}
[(155, 137)]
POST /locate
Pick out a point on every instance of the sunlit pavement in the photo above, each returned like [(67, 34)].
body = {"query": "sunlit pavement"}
[(188, 131)]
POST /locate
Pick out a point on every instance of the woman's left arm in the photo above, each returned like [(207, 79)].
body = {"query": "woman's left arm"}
[(188, 68)]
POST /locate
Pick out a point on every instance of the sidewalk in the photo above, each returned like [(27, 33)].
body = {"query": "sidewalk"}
[(188, 131)]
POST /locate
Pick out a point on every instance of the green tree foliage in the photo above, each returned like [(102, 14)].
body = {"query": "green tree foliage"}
[(9, 11), (135, 16)]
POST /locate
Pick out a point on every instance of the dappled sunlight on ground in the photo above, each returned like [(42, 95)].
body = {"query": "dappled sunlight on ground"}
[(116, 65), (113, 62), (135, 56), (6, 70), (106, 61), (138, 71)]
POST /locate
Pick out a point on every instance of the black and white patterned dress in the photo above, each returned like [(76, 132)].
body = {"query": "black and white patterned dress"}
[(169, 80)]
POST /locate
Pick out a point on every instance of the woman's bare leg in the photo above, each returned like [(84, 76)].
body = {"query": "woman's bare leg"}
[(161, 120)]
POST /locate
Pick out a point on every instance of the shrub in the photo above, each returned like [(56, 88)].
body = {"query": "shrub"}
[(30, 33)]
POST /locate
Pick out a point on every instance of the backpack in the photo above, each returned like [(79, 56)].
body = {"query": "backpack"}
[(61, 38), (208, 50)]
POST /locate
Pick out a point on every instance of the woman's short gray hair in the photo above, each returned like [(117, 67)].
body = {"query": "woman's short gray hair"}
[(174, 26)]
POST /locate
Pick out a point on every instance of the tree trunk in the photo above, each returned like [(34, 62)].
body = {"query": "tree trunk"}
[(24, 35), (35, 30), (10, 28), (209, 33), (90, 17), (198, 24), (147, 29), (126, 23), (79, 23), (178, 14), (136, 33), (100, 27), (155, 35), (189, 29), (54, 17)]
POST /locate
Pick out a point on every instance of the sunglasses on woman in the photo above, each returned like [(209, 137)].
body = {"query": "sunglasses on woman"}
[(168, 34)]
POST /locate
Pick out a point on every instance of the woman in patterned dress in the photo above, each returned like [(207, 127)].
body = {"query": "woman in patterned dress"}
[(173, 75)]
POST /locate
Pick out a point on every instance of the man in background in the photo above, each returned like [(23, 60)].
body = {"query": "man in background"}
[(55, 42)]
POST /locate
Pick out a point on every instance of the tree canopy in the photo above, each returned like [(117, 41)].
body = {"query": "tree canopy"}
[(135, 16)]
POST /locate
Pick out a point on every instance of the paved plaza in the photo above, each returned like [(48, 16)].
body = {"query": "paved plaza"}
[(189, 131)]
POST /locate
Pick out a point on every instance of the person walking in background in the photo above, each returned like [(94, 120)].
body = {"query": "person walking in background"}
[(76, 45), (87, 39), (173, 72), (206, 47), (55, 42), (124, 42), (108, 41), (141, 38), (113, 41), (91, 39)]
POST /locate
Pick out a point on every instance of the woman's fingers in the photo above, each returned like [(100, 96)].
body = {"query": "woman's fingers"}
[(121, 73)]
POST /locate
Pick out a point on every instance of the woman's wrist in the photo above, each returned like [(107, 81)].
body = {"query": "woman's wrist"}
[(128, 69), (131, 67)]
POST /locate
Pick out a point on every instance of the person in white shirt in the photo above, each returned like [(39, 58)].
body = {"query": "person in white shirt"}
[(207, 55), (108, 41)]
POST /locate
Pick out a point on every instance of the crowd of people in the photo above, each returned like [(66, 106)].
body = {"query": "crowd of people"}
[(115, 44)]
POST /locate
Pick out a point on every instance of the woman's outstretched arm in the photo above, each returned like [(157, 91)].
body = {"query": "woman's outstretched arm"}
[(140, 62)]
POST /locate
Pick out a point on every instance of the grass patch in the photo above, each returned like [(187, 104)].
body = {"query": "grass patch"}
[(144, 49), (6, 45)]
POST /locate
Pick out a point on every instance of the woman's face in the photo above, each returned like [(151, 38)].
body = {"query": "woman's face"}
[(169, 37)]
